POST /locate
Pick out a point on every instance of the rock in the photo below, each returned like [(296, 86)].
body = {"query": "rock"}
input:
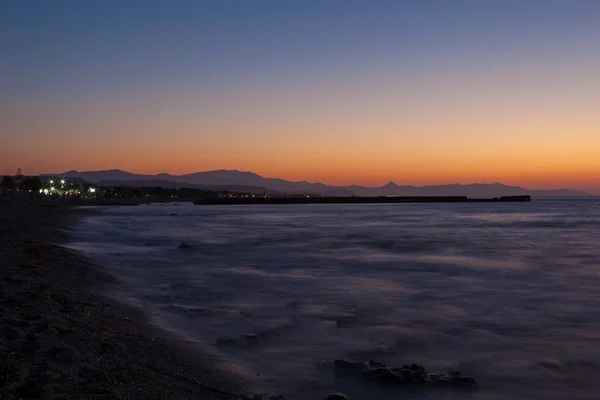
[(185, 246), (243, 341), (551, 365), (349, 366), (293, 304), (262, 396), (173, 214), (451, 379), (337, 396), (251, 337), (407, 375)]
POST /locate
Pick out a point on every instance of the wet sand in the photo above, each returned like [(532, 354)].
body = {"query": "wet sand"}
[(61, 338)]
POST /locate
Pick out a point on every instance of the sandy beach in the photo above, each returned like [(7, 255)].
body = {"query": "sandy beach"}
[(61, 338)]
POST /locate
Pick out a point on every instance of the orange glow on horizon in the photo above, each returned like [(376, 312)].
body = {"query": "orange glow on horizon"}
[(404, 169), (528, 136)]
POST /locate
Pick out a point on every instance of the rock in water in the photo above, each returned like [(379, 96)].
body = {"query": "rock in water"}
[(337, 396), (407, 375), (185, 246), (251, 337), (263, 396), (244, 341)]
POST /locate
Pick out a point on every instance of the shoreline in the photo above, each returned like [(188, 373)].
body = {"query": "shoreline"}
[(60, 337)]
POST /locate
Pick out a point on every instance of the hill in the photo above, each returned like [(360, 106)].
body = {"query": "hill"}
[(250, 182)]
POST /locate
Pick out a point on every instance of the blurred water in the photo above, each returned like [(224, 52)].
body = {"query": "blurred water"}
[(507, 293)]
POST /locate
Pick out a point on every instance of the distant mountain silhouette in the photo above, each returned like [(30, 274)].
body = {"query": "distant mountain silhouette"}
[(253, 183)]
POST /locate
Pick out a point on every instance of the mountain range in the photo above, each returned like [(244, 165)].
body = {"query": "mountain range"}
[(249, 182)]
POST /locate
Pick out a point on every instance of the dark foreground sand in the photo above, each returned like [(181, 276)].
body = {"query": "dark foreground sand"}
[(59, 338)]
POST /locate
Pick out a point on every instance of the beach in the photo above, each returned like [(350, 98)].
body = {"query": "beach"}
[(61, 338), (300, 301)]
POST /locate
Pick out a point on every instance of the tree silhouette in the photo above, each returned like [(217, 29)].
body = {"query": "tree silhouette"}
[(34, 184), (7, 182), (19, 174)]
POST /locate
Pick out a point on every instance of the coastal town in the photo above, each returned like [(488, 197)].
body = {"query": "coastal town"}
[(49, 188), (56, 186)]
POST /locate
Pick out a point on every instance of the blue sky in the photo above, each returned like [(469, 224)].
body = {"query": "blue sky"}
[(217, 73), (64, 44)]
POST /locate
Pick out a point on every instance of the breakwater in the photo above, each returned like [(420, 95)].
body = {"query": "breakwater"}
[(354, 200)]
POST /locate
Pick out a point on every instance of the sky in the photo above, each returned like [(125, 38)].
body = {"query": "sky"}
[(341, 92)]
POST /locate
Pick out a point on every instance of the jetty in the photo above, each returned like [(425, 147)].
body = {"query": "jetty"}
[(257, 200)]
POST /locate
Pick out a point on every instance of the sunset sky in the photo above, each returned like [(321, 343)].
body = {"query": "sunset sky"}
[(335, 91)]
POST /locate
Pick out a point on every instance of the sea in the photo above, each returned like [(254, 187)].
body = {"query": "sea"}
[(507, 293)]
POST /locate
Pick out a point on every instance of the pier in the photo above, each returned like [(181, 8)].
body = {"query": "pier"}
[(355, 200)]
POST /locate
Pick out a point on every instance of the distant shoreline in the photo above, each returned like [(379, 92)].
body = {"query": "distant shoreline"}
[(249, 200)]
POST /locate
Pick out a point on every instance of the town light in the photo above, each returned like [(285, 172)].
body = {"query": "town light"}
[(51, 182), (92, 190), (62, 181)]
